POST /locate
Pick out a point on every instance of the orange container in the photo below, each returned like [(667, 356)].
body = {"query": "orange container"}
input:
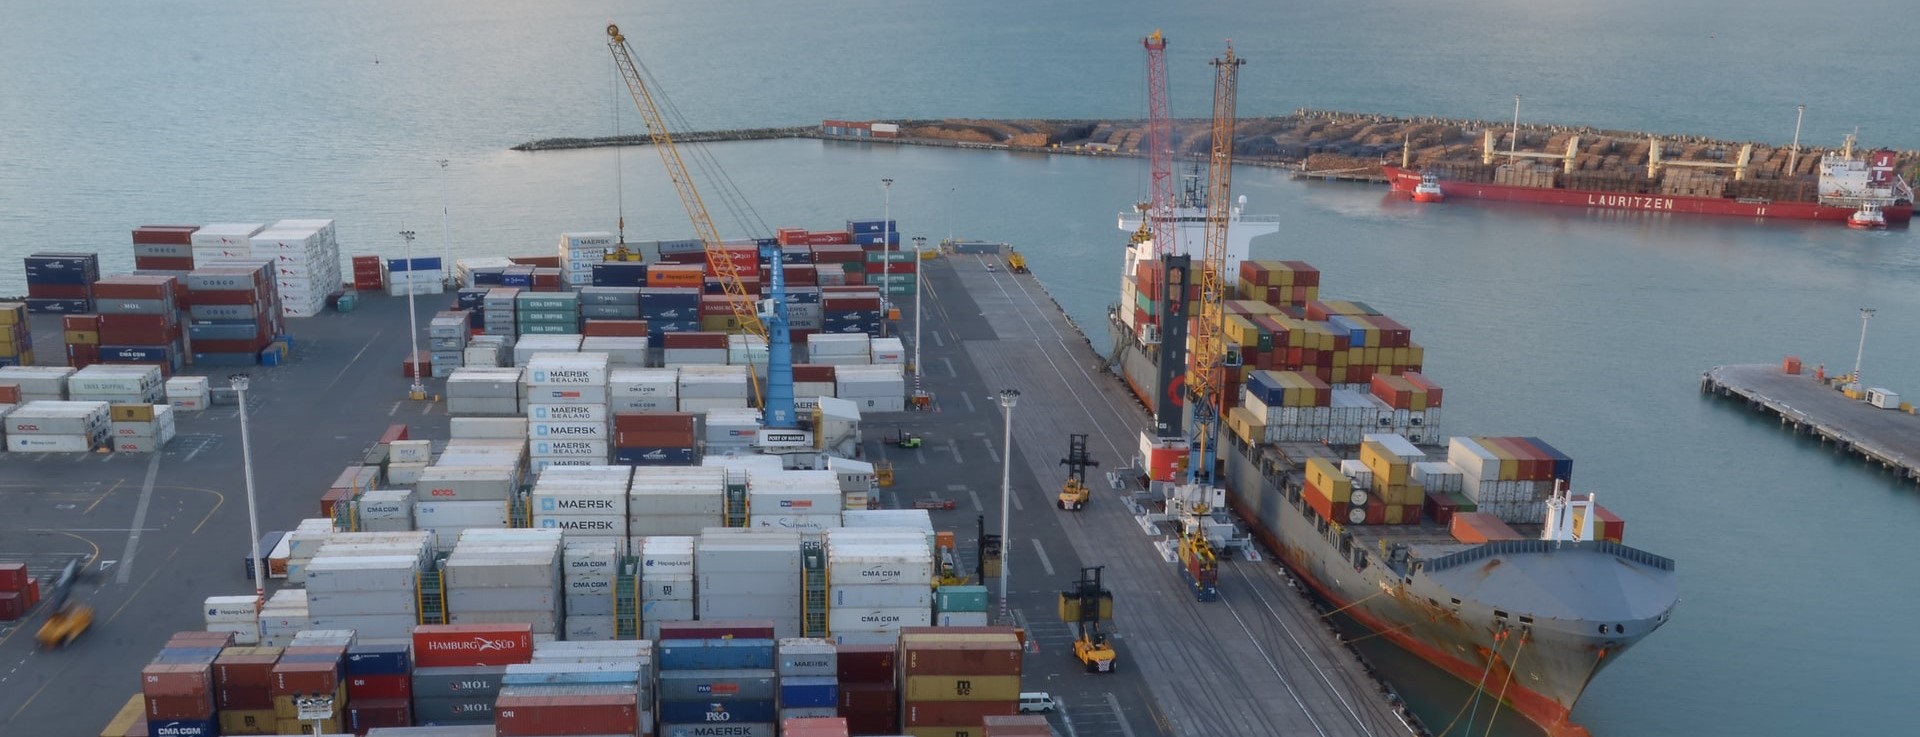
[(1791, 365)]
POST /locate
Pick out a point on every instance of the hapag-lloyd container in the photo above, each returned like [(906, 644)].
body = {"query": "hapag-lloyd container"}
[(663, 555), (455, 645)]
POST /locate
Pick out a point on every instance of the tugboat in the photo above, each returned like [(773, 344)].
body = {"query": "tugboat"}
[(1428, 190), (1868, 217)]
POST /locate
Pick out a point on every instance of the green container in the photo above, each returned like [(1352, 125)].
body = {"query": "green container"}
[(548, 328), (960, 598), (548, 301), (895, 256), (548, 316), (1145, 302)]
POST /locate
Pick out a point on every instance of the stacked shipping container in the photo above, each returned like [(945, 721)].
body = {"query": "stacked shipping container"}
[(952, 678), (717, 671), (61, 283)]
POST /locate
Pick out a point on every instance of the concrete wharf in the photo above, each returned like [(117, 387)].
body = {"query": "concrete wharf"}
[(1889, 438)]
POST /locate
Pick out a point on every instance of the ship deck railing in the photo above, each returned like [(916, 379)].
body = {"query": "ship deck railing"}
[(1506, 547)]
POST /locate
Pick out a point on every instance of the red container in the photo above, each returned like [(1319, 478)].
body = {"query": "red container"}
[(13, 605), (59, 291), (373, 713), (718, 629), (176, 680), (398, 686), (870, 708), (227, 297), (199, 638), (13, 576), (813, 373), (565, 714), (829, 238), (837, 254), (952, 713), (866, 664), (452, 645), (419, 368), (1433, 389), (1439, 507), (394, 432), (814, 727), (669, 424), (228, 346), (164, 235), (137, 329), (163, 263), (305, 677), (617, 328), (694, 340), (330, 498), (964, 658), (179, 707), (714, 304), (1022, 725), (134, 287)]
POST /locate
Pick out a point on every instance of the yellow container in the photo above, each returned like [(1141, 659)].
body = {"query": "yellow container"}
[(259, 721), (13, 313), (961, 688), (297, 726), (1416, 355), (82, 337), (10, 349), (131, 412), (1388, 470), (957, 637), (1242, 421), (1418, 402), (720, 323)]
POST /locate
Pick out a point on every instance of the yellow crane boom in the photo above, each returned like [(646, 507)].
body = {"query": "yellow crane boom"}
[(1207, 381)]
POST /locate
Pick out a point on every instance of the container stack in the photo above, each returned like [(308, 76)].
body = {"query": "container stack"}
[(1022, 725), (235, 615), (619, 274), (666, 581), (1331, 494), (809, 679), (178, 688), (117, 384), (643, 390), (61, 283), (810, 383), (814, 727), (223, 241), (379, 685), (163, 247), (888, 352), (622, 350), (19, 591), (655, 439), (484, 392), (526, 347), (547, 313), (496, 311), (505, 576), (685, 349), (385, 510), (447, 339), (1395, 496), (850, 312), (895, 272), (567, 421), (751, 574), (872, 388), (579, 252), (16, 335), (803, 303), (188, 393), (669, 309), (458, 669), (368, 582), (284, 615), (306, 263), (577, 701), (141, 428), (717, 671), (369, 273), (233, 314), (310, 665), (829, 349), (807, 502), (58, 427), (870, 687), (243, 689), (1509, 477), (81, 333), (730, 431), (589, 565), (879, 581), (702, 388), (952, 680), (419, 275), (36, 383), (585, 502), (960, 606), (610, 302), (470, 487), (487, 351), (676, 500)]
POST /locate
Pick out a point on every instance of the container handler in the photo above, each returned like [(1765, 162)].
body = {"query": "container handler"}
[(1074, 494), (66, 619), (1087, 604)]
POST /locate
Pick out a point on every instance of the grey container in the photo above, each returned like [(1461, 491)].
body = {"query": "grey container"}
[(346, 603), (610, 296), (369, 625), (469, 407), (589, 605), (133, 306), (697, 685), (450, 730), (543, 622), (443, 683), (222, 312), (610, 312), (640, 651), (807, 657), (727, 729), (469, 709), (446, 344)]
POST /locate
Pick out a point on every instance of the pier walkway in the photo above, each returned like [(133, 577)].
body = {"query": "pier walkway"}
[(1890, 438)]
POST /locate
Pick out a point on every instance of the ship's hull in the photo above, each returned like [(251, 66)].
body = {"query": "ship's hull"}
[(1436, 615), (1404, 180)]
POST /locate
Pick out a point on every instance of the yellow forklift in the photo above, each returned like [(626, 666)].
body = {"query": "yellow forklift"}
[(1074, 494), (1087, 605), (66, 619)]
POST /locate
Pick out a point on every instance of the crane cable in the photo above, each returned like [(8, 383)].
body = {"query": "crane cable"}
[(1511, 667), (1362, 600), (1499, 641), (727, 191), (619, 169)]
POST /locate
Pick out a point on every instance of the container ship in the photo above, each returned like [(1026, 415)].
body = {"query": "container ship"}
[(1468, 552), (1863, 191)]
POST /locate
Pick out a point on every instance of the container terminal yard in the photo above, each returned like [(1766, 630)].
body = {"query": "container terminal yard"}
[(160, 531), (1870, 422)]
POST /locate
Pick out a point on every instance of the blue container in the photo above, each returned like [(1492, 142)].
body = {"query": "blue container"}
[(874, 239), (662, 456), (1263, 386), (187, 656), (225, 359), (803, 692), (273, 356), (367, 659), (670, 313), (715, 712), (569, 674), (518, 276), (223, 330), (739, 654), (857, 227), (423, 263), (488, 278), (63, 268), (183, 728), (469, 298), (138, 353), (1562, 463), (657, 329), (1356, 333), (46, 306), (619, 274)]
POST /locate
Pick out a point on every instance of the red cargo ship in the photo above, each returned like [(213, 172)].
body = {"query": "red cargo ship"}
[(1846, 186)]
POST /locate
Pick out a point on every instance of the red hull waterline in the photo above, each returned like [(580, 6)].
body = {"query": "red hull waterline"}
[(1403, 180)]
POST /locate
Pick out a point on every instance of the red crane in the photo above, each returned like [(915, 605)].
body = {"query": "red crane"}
[(1159, 207)]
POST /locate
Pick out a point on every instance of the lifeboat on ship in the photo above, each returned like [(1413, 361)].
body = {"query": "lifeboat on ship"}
[(1428, 190), (1868, 217)]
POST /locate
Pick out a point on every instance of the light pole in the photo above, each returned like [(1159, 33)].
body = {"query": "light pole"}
[(446, 232), (239, 383), (1866, 313), (886, 240), (419, 390), (1793, 159), (1515, 145), (1008, 398), (919, 283)]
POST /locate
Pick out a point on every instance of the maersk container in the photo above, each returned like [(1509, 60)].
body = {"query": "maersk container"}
[(717, 685), (740, 654), (717, 729), (604, 525), (711, 710), (538, 431)]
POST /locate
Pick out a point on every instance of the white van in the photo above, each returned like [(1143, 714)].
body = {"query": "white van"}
[(1037, 702)]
